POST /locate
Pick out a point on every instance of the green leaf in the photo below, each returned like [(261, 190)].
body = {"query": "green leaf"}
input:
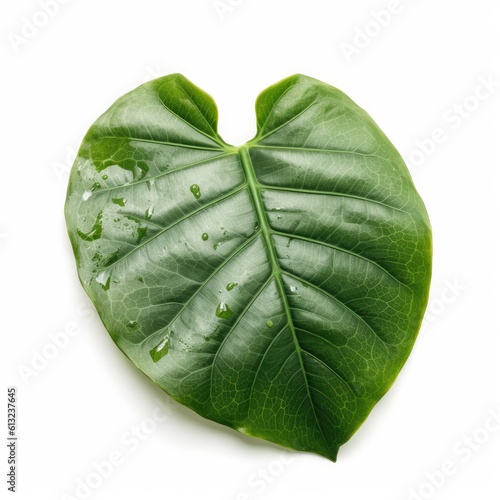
[(276, 288)]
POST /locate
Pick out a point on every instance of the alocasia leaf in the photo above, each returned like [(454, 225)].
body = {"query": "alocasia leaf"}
[(276, 288)]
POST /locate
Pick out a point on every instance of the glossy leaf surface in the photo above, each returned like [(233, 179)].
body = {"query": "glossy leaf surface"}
[(276, 288)]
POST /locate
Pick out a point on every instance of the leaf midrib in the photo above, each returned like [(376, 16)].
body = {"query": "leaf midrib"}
[(255, 191)]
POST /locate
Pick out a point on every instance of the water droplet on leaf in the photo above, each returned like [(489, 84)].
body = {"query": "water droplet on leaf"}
[(195, 189), (204, 236), (119, 201), (224, 311), (149, 213), (161, 349), (141, 233), (96, 231), (140, 170), (104, 279)]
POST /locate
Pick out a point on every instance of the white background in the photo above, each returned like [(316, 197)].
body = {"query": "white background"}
[(413, 76)]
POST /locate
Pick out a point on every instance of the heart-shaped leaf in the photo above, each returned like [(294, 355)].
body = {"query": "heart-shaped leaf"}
[(276, 288)]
